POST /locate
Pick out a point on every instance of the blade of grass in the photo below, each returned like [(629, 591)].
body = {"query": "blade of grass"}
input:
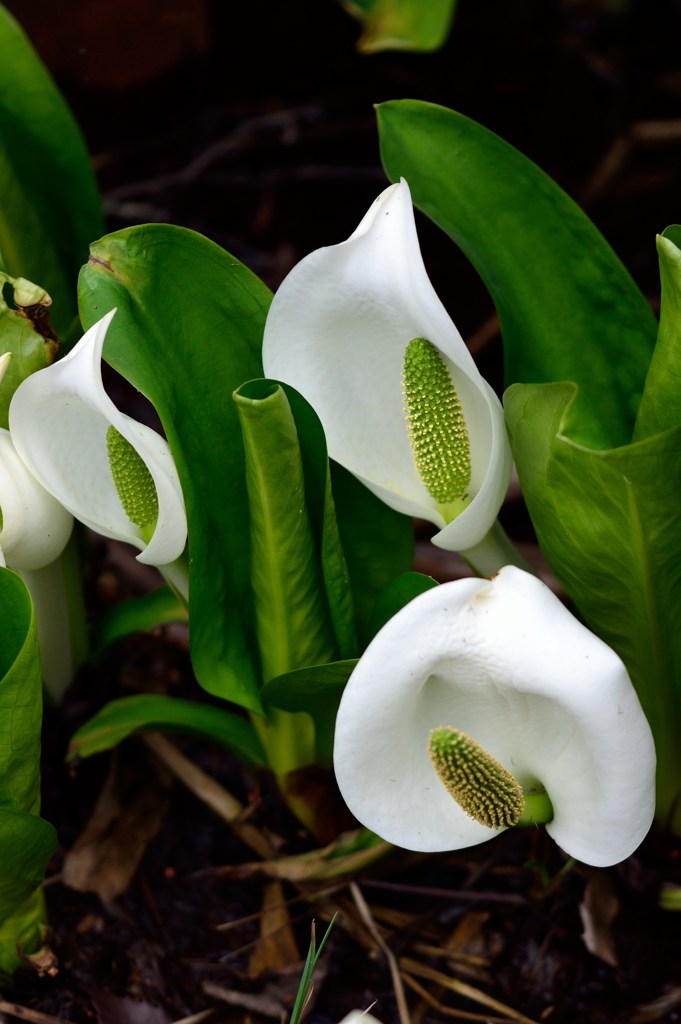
[(305, 987)]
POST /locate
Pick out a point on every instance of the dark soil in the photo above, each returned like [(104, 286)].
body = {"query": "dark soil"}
[(261, 135)]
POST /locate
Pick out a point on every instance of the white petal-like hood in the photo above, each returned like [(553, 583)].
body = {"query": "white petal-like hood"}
[(59, 418), (35, 527), (337, 331), (505, 662)]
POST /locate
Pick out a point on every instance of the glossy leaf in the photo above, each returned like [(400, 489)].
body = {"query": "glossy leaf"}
[(402, 24), (316, 690), (608, 524), (50, 209), (187, 333), (121, 718), (569, 310), (659, 408), (399, 593), (323, 511), (291, 613), (26, 841), (139, 614)]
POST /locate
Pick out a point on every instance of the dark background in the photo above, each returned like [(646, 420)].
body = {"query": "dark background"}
[(254, 123)]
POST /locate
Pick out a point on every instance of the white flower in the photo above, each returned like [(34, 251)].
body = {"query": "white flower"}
[(339, 329), (112, 473), (528, 697), (35, 528), (359, 1017)]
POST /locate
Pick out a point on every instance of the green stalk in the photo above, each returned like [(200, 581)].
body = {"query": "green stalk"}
[(493, 552), (57, 596)]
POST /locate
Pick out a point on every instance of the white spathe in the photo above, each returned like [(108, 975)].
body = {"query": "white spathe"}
[(505, 662), (59, 418), (35, 527), (337, 331)]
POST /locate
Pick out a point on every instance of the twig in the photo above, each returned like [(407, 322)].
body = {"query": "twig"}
[(211, 792), (35, 1016), (261, 1002), (459, 895), (284, 121), (196, 1018), (368, 920), (476, 995), (449, 1011)]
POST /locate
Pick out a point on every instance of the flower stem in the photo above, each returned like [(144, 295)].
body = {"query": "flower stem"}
[(60, 615), (176, 575), (493, 552)]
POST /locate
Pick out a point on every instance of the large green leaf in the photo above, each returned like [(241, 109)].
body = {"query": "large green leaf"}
[(187, 333), (20, 698), (139, 614), (26, 841), (402, 24), (316, 690), (121, 718), (323, 511), (608, 523), (398, 594), (291, 614), (49, 205), (26, 844), (569, 310)]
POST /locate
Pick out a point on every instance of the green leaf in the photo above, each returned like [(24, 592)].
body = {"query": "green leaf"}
[(26, 841), (568, 308), (121, 718), (314, 952), (398, 594), (402, 24), (50, 208), (322, 511), (378, 544), (187, 333), (660, 405), (23, 319), (291, 614), (608, 524), (20, 697), (316, 690), (140, 614)]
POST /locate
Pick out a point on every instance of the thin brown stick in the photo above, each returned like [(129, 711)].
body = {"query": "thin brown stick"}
[(209, 791), (25, 1013), (367, 919), (476, 995), (449, 1011), (196, 1018)]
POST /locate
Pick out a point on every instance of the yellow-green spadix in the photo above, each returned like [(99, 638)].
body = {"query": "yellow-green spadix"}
[(339, 329), (115, 475), (479, 695)]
